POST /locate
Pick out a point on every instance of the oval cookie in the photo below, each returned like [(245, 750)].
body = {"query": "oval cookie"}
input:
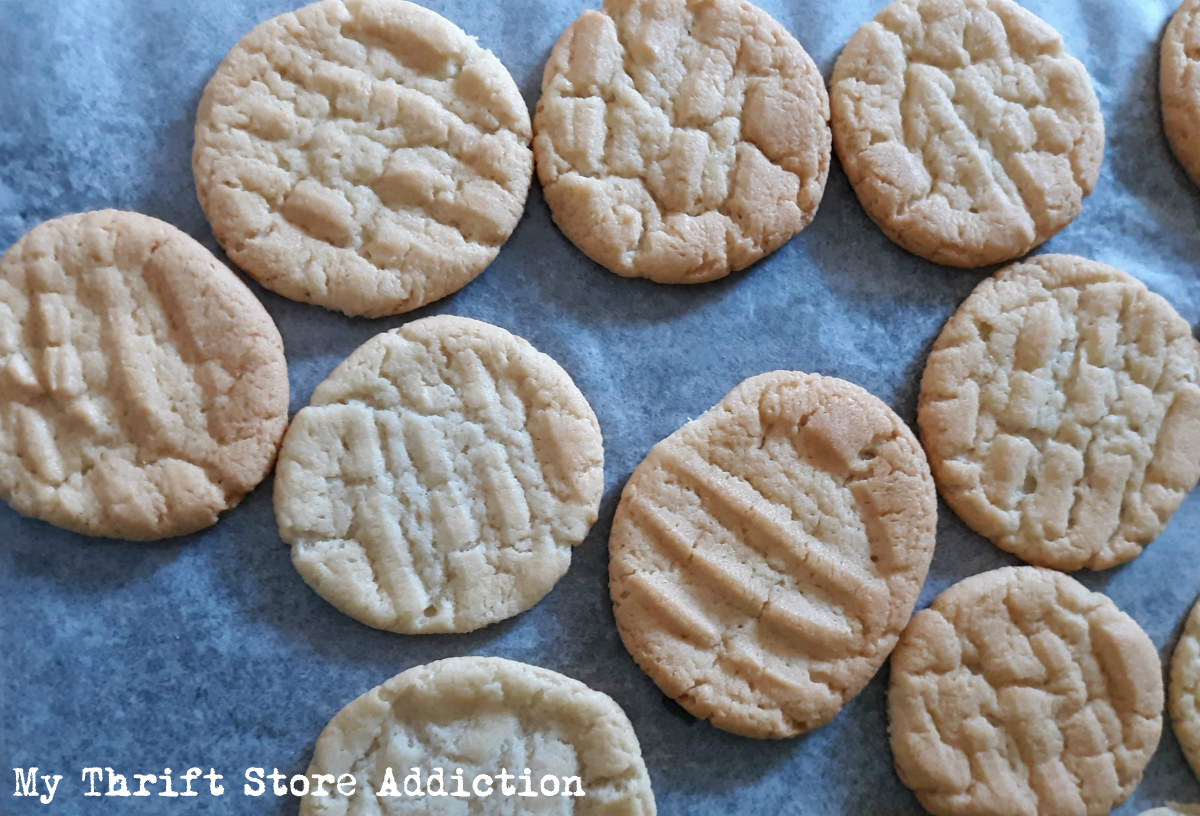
[(1185, 690), (1019, 691), (143, 388), (968, 132), (1060, 408), (439, 478), (679, 141), (1179, 86), (367, 156), (485, 716), (765, 556)]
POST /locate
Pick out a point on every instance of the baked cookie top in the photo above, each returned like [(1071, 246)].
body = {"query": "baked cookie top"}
[(1060, 408), (1020, 692), (1179, 85), (143, 388), (367, 156), (968, 132), (678, 140), (1185, 690), (765, 556), (439, 478), (485, 715)]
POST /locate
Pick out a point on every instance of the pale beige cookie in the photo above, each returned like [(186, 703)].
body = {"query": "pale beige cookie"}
[(765, 556), (1021, 693), (485, 716), (1061, 412), (439, 478), (1173, 809), (143, 388), (1185, 690), (1179, 85), (968, 132), (679, 140), (367, 156)]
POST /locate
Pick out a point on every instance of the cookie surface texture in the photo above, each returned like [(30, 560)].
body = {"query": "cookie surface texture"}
[(484, 715), (1020, 692), (1061, 412), (143, 388), (679, 140), (765, 556), (367, 156), (1179, 86), (439, 478), (967, 131), (1185, 690)]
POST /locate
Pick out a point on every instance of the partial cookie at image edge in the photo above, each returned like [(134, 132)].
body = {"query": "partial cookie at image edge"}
[(602, 748)]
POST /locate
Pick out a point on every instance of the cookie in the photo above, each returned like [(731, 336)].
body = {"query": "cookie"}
[(1020, 692), (1185, 690), (680, 140), (367, 156), (439, 478), (1179, 86), (1173, 809), (765, 556), (1061, 412), (967, 131), (143, 389), (485, 716)]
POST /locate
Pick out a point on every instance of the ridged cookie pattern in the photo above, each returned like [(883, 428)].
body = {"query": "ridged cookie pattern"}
[(367, 156), (1185, 690), (1019, 692), (1060, 408), (484, 715), (1179, 85), (969, 133), (439, 478), (143, 388), (765, 557), (680, 140)]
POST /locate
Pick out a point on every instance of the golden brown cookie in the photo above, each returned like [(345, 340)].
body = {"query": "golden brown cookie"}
[(969, 133), (484, 716), (1179, 85), (1060, 409), (679, 141), (1185, 690), (143, 388), (1020, 692), (439, 478), (765, 556), (367, 156)]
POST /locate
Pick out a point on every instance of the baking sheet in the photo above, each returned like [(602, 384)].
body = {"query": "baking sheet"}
[(209, 650)]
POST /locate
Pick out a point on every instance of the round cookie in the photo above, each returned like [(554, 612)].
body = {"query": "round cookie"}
[(486, 715), (679, 140), (1020, 692), (143, 388), (765, 556), (1185, 690), (1179, 86), (367, 156), (967, 131), (1061, 412), (439, 478)]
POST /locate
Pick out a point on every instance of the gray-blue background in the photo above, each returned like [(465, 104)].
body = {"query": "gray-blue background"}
[(209, 650)]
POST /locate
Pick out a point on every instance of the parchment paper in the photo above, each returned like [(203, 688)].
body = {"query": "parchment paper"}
[(209, 650)]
